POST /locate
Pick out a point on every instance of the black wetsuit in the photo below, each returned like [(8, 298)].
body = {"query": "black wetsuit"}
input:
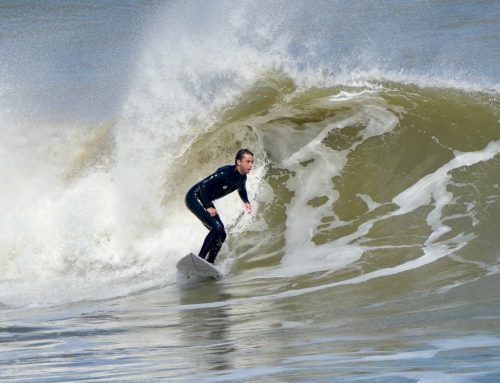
[(199, 198)]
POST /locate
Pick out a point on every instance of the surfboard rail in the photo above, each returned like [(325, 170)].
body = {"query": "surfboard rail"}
[(192, 265)]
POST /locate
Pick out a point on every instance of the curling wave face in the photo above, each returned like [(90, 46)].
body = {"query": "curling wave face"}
[(362, 171), (352, 183), (370, 181)]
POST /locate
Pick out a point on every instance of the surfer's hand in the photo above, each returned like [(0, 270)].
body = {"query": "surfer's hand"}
[(248, 207), (212, 211)]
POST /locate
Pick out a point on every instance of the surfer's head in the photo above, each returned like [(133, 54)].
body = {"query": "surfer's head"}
[(244, 161)]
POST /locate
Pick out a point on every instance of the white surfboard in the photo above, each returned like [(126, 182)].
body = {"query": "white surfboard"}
[(192, 265)]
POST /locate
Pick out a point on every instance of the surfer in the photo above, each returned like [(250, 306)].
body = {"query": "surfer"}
[(199, 199)]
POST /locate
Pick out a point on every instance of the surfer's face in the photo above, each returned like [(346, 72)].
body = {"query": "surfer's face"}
[(245, 164)]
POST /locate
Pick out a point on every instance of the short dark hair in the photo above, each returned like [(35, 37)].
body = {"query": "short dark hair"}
[(241, 153)]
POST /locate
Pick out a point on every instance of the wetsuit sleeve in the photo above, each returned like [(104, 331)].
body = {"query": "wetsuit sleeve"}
[(242, 191), (206, 185)]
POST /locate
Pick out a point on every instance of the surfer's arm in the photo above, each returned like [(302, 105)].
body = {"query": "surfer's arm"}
[(203, 194), (242, 191), (207, 184)]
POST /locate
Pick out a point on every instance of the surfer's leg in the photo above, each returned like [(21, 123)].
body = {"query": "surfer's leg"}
[(216, 236)]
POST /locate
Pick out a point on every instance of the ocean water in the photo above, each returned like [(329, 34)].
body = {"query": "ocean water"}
[(373, 252)]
